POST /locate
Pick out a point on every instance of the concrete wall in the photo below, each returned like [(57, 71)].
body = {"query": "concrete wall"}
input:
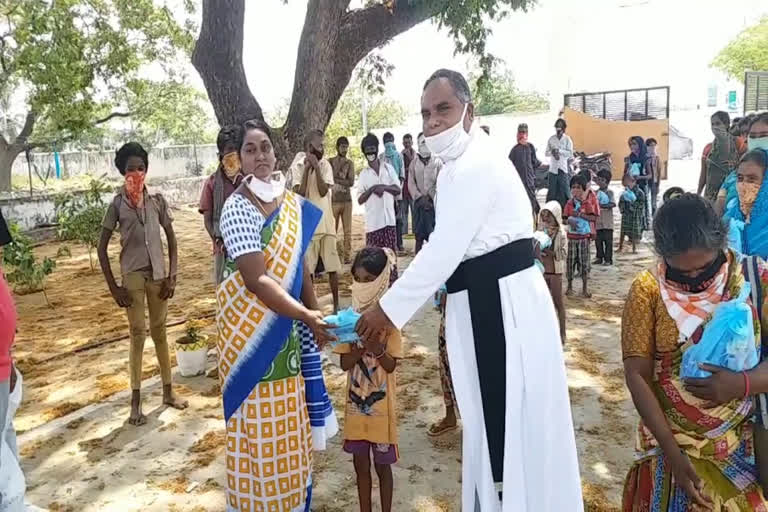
[(592, 135), (170, 162), (29, 212)]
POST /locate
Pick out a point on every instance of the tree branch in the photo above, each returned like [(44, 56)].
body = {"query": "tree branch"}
[(112, 116), (218, 58), (26, 131)]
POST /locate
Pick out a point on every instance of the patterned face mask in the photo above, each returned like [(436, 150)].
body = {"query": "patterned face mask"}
[(134, 187), (231, 164), (747, 196)]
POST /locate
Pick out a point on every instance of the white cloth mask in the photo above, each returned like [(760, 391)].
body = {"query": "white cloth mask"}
[(424, 150), (451, 143), (266, 191), (370, 157)]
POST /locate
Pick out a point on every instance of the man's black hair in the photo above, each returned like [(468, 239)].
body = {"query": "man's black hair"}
[(388, 137), (407, 136), (562, 122), (458, 83), (579, 180), (650, 141), (342, 140), (127, 151), (369, 140), (605, 174), (311, 134)]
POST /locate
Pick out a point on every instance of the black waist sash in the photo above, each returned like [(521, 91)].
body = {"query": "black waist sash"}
[(480, 277)]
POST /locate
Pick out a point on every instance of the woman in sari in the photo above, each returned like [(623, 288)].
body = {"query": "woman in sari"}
[(694, 446), (267, 314), (638, 158), (757, 138), (746, 213), (721, 159)]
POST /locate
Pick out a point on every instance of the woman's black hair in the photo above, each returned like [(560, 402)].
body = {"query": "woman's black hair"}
[(373, 259), (562, 122), (762, 117), (229, 134), (579, 180), (672, 193), (757, 156), (688, 222), (256, 124), (127, 151), (723, 117), (369, 140)]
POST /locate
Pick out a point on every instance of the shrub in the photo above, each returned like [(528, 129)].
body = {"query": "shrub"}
[(24, 272), (80, 216)]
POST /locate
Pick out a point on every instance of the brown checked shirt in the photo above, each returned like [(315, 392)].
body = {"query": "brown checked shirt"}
[(140, 239)]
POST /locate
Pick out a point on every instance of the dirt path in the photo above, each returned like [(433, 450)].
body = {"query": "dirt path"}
[(79, 455)]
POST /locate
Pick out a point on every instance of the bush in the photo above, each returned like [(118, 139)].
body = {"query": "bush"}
[(24, 272), (80, 217)]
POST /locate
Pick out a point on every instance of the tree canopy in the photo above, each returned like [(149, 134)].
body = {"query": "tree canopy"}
[(498, 94), (748, 52), (334, 39), (74, 63)]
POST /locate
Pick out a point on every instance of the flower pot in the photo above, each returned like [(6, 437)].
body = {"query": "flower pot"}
[(192, 356)]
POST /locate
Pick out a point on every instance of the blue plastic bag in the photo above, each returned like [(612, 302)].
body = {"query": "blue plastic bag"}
[(736, 235), (577, 225), (443, 290), (603, 198), (629, 196), (543, 239), (345, 322), (635, 169), (728, 340)]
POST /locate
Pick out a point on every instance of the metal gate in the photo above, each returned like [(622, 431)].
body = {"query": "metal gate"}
[(623, 105), (755, 91)]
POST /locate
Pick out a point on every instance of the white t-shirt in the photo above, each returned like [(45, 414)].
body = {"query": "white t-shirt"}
[(379, 211), (565, 145)]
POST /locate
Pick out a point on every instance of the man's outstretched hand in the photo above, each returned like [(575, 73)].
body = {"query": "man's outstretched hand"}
[(372, 323)]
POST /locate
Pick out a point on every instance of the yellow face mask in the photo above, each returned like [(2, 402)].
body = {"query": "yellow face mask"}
[(747, 196), (231, 164)]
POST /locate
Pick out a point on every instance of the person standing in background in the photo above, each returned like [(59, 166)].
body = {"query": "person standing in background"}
[(395, 160), (560, 151), (422, 179), (218, 188), (140, 216), (313, 179), (635, 164), (523, 156), (654, 169), (343, 180), (408, 154), (12, 483), (721, 160)]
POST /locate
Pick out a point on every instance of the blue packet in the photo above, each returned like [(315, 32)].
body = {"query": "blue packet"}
[(728, 340), (736, 235), (634, 169), (602, 197), (441, 292), (543, 239), (629, 196), (345, 322)]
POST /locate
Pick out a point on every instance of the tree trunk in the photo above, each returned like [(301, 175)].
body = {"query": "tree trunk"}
[(332, 43), (8, 154)]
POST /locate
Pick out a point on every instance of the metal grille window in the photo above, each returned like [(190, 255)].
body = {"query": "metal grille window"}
[(755, 91), (624, 105)]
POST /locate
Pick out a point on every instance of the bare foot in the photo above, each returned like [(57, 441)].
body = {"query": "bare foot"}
[(586, 294), (441, 427), (569, 292), (170, 399), (137, 417)]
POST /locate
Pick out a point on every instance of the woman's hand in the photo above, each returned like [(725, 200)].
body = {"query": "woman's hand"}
[(687, 479), (719, 388), (320, 328)]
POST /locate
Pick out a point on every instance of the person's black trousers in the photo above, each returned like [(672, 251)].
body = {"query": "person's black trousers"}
[(604, 243)]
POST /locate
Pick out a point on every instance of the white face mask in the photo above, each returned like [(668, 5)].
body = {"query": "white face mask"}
[(267, 192), (423, 149), (449, 144), (371, 157)]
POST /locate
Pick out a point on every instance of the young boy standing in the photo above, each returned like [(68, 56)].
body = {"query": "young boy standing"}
[(632, 208), (607, 203), (653, 169), (554, 257), (582, 213), (140, 217)]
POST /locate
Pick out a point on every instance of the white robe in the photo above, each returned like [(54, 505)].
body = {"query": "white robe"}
[(481, 205)]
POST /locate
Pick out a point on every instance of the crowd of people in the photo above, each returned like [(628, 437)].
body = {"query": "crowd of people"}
[(493, 259)]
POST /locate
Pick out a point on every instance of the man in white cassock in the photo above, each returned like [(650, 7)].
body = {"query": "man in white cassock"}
[(519, 451)]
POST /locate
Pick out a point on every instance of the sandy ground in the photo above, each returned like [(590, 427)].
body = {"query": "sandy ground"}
[(78, 453)]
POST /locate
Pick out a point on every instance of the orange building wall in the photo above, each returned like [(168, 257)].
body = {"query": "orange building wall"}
[(593, 135)]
